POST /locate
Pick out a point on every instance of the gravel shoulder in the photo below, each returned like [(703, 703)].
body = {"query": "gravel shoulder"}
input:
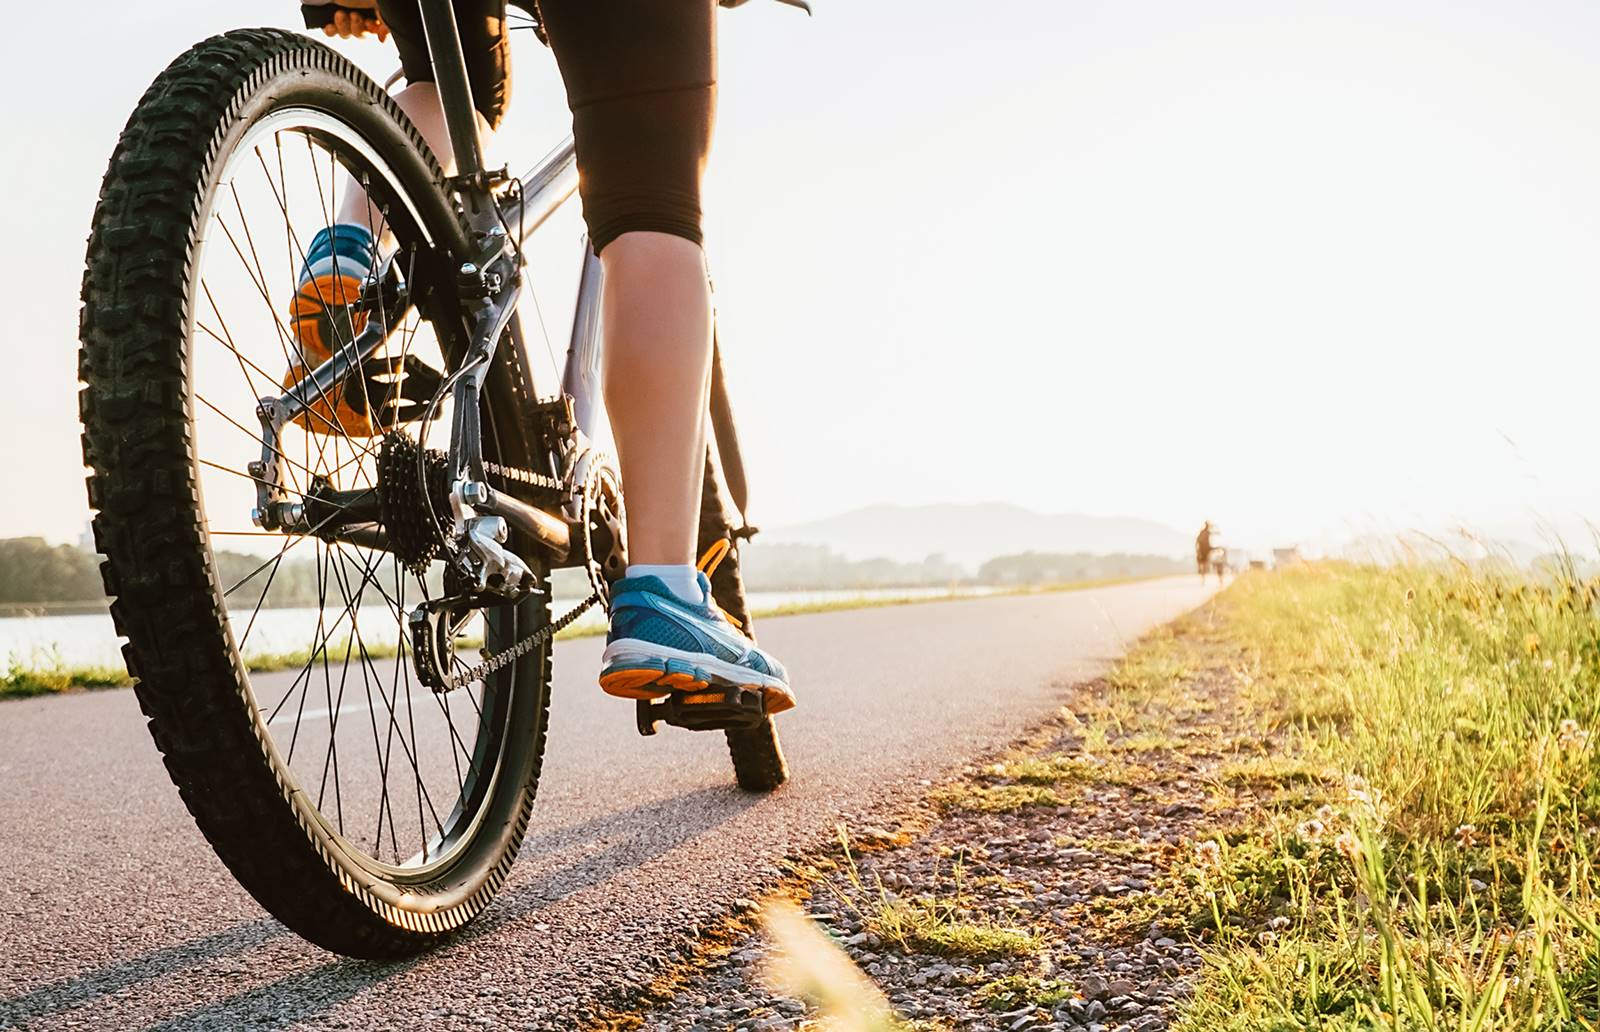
[(1051, 886)]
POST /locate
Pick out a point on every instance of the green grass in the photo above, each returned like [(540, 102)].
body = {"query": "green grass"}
[(45, 679), (1014, 992), (936, 923), (1431, 865), (953, 595), (995, 799), (942, 927)]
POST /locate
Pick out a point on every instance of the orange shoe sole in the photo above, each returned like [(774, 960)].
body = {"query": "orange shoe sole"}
[(651, 683)]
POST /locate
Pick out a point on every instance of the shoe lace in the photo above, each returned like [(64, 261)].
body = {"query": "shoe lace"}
[(708, 565)]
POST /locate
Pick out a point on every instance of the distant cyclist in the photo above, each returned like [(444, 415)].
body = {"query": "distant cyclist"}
[(641, 83), (1202, 549)]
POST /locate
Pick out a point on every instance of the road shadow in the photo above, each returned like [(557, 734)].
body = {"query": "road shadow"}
[(646, 832), (105, 981)]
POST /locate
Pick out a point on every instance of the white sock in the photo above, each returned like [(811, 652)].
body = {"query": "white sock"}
[(682, 580)]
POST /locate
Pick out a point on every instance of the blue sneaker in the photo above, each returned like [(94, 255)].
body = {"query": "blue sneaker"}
[(660, 644), (323, 316)]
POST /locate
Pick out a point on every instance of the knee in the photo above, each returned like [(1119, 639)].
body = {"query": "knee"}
[(679, 223)]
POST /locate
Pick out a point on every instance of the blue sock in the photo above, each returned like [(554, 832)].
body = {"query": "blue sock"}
[(344, 247)]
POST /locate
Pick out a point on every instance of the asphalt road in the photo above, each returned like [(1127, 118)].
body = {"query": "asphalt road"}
[(114, 914)]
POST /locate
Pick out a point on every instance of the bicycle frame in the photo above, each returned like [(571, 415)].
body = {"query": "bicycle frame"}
[(542, 191)]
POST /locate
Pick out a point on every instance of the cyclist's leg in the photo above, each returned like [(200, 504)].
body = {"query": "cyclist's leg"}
[(641, 82), (338, 257), (482, 24), (420, 102), (657, 319)]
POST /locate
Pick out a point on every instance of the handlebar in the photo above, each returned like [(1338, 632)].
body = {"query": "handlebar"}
[(320, 15)]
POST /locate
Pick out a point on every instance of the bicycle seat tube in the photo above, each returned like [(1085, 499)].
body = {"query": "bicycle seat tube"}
[(455, 96)]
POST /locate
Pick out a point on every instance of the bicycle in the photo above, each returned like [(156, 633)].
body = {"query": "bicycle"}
[(374, 794)]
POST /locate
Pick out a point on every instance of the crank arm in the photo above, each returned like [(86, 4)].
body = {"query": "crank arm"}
[(322, 380)]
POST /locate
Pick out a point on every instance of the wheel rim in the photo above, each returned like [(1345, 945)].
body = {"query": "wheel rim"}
[(398, 777)]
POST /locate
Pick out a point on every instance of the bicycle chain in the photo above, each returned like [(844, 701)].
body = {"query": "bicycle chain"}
[(543, 481), (499, 660)]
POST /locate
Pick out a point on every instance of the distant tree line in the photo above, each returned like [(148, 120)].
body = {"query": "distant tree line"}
[(1052, 568), (32, 570), (816, 567), (809, 567), (36, 573)]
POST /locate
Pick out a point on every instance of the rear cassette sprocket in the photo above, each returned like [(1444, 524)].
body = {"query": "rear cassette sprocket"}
[(413, 499)]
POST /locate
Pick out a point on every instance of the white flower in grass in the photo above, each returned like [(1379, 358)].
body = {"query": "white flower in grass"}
[(1466, 835), (1208, 854), (1311, 830), (1348, 846), (1569, 735), (1368, 798), (1327, 814)]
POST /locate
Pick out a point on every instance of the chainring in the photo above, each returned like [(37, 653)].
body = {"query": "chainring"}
[(603, 523)]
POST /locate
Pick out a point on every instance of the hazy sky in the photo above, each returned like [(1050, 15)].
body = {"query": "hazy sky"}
[(1285, 265)]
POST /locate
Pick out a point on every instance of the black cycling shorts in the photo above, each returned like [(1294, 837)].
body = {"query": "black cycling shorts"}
[(641, 83)]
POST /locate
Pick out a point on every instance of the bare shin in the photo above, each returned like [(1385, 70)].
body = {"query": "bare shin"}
[(656, 315)]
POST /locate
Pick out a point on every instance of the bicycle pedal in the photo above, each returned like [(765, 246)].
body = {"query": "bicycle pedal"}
[(712, 709)]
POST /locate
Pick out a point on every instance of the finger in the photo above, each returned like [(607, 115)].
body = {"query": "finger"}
[(382, 30), (341, 22), (328, 29)]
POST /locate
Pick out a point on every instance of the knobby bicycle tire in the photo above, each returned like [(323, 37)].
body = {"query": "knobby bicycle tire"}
[(136, 408), (758, 761)]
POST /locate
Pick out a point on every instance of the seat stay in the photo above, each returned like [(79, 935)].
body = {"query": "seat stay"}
[(543, 190)]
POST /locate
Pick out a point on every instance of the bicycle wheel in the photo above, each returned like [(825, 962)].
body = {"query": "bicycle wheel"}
[(758, 761), (368, 813)]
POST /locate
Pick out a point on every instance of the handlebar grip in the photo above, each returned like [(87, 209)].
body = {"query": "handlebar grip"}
[(318, 15)]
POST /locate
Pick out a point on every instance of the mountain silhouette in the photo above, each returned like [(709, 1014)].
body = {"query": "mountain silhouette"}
[(970, 534)]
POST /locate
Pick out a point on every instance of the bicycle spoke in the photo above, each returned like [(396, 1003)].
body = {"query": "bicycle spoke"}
[(349, 596), (369, 672), (455, 735)]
